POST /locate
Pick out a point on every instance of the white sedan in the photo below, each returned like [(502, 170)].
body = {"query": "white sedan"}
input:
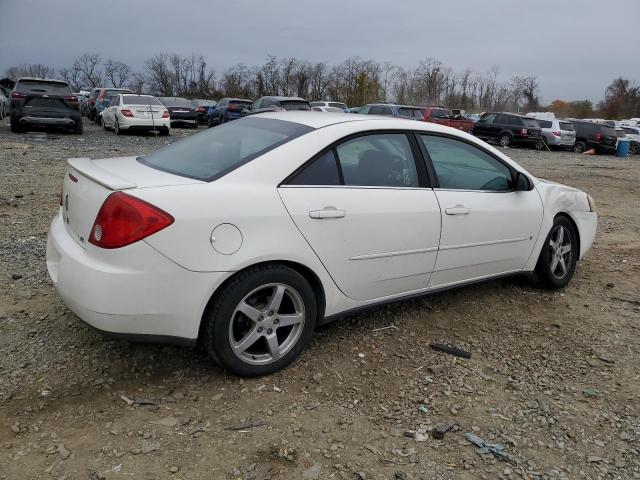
[(136, 113), (248, 236)]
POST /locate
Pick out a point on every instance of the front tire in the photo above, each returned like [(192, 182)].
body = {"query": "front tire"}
[(559, 256), (260, 321)]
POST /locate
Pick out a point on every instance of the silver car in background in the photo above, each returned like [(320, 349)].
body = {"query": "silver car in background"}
[(558, 133)]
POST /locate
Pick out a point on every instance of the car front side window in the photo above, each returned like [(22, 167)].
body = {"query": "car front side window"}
[(461, 166)]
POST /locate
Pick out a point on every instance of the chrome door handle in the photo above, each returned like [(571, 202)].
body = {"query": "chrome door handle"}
[(327, 212), (457, 210)]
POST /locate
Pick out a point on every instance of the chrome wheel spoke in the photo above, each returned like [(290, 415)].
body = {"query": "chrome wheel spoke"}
[(560, 237), (288, 320), (563, 266), (274, 346), (554, 263), (565, 249), (251, 312), (276, 299), (247, 341)]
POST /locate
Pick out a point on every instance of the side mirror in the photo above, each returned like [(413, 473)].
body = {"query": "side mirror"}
[(523, 183)]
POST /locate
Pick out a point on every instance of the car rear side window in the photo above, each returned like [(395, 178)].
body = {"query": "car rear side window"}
[(321, 171), (378, 160), (460, 166), (39, 86), (439, 113), (410, 112), (566, 126), (217, 151), (544, 124), (532, 123)]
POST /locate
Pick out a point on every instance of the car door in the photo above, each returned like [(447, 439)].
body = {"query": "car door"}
[(365, 207), (482, 128), (489, 226)]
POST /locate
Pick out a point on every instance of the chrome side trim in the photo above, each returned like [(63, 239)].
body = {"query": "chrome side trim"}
[(482, 244), (393, 254)]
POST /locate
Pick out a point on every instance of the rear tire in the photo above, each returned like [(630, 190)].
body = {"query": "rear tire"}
[(504, 140), (634, 148), (77, 127), (539, 145), (273, 336), (16, 127), (579, 147), (164, 132), (116, 127), (559, 255)]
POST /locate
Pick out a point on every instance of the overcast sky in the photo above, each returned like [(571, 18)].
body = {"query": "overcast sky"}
[(574, 47)]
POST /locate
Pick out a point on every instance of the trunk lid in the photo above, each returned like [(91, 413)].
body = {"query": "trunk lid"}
[(87, 183)]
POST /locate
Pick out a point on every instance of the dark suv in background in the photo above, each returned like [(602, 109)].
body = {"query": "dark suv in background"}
[(226, 110), (594, 135), (44, 102), (508, 129)]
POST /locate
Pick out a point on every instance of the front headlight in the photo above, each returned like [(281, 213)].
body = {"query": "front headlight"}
[(592, 203)]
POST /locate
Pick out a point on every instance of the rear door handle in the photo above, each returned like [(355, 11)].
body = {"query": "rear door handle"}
[(327, 212), (457, 210)]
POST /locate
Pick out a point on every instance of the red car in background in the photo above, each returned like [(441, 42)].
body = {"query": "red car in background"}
[(442, 116)]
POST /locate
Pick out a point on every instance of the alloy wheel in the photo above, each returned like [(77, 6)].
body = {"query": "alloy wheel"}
[(560, 251), (505, 140), (266, 324)]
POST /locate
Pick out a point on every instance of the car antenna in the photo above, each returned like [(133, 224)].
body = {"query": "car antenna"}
[(153, 123)]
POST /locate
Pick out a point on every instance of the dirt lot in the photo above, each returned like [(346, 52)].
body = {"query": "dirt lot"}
[(555, 377)]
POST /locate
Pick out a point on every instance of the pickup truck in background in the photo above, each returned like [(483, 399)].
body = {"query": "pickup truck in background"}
[(443, 116)]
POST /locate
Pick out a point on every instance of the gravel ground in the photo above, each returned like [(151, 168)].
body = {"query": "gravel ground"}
[(554, 376)]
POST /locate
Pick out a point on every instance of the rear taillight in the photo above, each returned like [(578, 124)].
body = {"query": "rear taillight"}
[(232, 108), (557, 134), (126, 112), (598, 137), (71, 98), (523, 132), (18, 95), (165, 114), (123, 220), (201, 109)]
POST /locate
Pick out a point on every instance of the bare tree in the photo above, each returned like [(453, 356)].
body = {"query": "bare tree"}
[(37, 70), (117, 73), (88, 66), (137, 81), (72, 77)]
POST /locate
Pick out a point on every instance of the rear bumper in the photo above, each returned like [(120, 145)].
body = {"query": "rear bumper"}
[(134, 123), (554, 141), (50, 121), (132, 292)]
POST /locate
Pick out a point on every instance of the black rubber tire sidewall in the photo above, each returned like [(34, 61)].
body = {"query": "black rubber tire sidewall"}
[(579, 147), (543, 270), (78, 127), (217, 318)]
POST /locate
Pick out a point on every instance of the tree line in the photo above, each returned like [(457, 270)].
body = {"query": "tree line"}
[(355, 81)]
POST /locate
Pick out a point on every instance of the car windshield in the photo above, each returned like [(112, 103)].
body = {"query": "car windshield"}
[(217, 151), (139, 100), (175, 102), (39, 86), (566, 126), (410, 112), (294, 105)]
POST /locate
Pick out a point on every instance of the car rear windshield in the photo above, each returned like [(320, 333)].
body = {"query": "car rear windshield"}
[(439, 113), (138, 100), (40, 86), (545, 123), (607, 130), (410, 112), (217, 151), (339, 105), (566, 126), (294, 105), (240, 102), (203, 103), (175, 102), (531, 123)]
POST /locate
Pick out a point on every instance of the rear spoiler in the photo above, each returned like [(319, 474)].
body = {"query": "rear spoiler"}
[(86, 167)]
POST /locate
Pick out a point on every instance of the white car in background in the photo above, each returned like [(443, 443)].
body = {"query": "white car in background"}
[(130, 112), (327, 103), (633, 134), (327, 109), (248, 236)]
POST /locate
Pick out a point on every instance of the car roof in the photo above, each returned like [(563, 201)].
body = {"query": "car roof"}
[(35, 79), (315, 119), (280, 98)]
